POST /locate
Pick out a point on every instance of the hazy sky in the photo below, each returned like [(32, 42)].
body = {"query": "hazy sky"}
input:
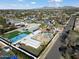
[(27, 4)]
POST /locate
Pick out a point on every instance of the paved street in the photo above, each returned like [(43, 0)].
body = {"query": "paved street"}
[(52, 51), (70, 24)]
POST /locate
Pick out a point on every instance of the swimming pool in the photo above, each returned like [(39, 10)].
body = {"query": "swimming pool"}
[(18, 37)]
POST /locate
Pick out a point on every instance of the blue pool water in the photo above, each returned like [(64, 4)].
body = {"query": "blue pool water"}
[(18, 37)]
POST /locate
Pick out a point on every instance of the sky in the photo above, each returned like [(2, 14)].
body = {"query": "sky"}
[(29, 4)]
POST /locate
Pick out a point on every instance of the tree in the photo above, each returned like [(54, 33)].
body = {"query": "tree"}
[(2, 21), (1, 29)]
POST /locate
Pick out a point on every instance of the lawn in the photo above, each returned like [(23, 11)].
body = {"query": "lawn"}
[(14, 34), (20, 55), (11, 35), (57, 25), (26, 32), (43, 25)]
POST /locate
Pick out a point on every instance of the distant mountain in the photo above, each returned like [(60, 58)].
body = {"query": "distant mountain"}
[(48, 7), (68, 7), (64, 7)]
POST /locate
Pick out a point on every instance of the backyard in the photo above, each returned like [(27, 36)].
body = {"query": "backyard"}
[(11, 34), (14, 34)]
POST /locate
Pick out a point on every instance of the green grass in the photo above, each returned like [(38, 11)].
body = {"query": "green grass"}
[(57, 25), (26, 32), (14, 34), (43, 25), (20, 55), (11, 35)]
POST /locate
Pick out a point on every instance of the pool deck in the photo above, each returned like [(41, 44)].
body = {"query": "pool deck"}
[(28, 36), (18, 37)]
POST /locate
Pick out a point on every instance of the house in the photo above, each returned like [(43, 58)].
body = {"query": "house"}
[(32, 27), (9, 21)]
